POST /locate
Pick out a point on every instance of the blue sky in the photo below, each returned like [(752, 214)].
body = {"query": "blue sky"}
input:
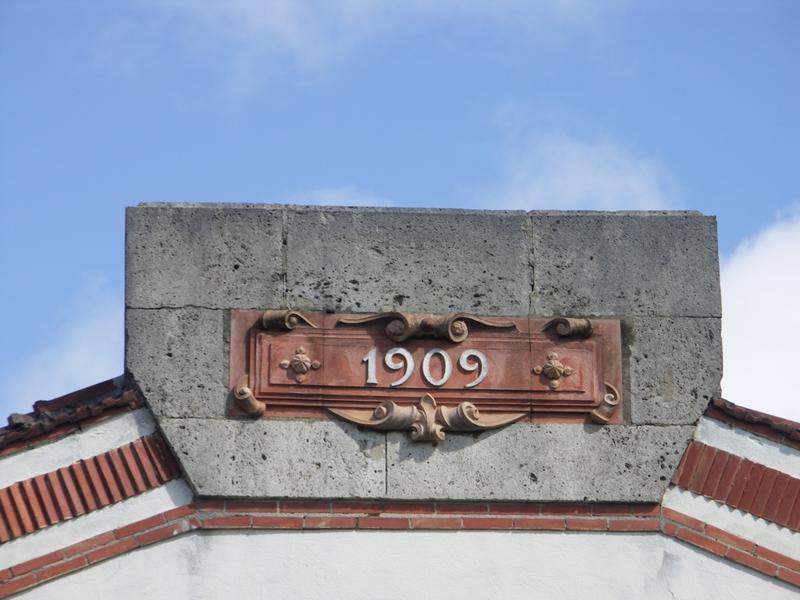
[(504, 104)]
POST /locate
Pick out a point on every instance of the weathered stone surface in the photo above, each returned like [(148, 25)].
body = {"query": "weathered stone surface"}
[(364, 260), (178, 358), (277, 458), (204, 255), (675, 367), (625, 264), (540, 462), (658, 272)]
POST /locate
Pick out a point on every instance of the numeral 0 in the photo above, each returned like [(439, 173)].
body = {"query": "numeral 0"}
[(464, 361)]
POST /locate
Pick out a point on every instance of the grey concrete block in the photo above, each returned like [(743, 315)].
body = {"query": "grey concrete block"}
[(204, 255), (279, 458), (178, 358), (539, 462), (416, 260), (675, 367), (625, 264)]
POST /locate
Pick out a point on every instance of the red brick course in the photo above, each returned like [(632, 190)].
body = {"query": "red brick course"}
[(789, 576), (587, 524), (633, 525), (542, 524), (487, 523), (383, 523), (336, 522), (276, 522), (436, 523), (220, 514)]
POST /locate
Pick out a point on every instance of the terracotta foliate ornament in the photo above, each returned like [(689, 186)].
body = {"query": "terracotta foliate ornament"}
[(553, 370), (427, 421), (299, 365)]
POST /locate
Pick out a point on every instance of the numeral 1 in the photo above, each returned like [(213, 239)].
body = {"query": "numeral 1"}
[(370, 358)]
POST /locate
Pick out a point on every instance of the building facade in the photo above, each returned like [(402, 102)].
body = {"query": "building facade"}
[(370, 403)]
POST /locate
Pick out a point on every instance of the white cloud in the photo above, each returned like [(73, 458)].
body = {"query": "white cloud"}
[(561, 172), (340, 196), (82, 350), (761, 320), (313, 31)]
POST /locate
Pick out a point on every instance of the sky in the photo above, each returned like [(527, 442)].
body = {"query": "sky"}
[(509, 104)]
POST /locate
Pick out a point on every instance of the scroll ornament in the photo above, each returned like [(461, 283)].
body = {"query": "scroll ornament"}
[(246, 399), (608, 406), (427, 421), (406, 326), (284, 319), (569, 328)]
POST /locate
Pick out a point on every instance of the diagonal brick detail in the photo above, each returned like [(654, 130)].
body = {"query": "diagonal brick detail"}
[(740, 483), (84, 486)]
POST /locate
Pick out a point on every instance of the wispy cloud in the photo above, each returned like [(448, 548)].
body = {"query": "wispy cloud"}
[(563, 172), (760, 291), (84, 349), (247, 39)]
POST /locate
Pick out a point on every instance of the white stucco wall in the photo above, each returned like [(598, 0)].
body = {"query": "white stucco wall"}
[(386, 565)]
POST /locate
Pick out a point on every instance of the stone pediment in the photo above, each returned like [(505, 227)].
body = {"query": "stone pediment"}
[(190, 268)]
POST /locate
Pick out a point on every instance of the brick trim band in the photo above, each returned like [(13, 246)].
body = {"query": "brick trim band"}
[(367, 515), (740, 483), (84, 486)]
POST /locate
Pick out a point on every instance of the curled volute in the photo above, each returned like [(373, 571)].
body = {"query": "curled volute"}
[(405, 326), (569, 328), (246, 399), (608, 406), (284, 319)]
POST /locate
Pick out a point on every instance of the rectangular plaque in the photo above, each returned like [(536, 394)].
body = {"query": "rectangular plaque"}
[(303, 364)]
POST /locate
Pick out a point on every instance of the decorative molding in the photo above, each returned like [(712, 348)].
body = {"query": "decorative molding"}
[(299, 365), (246, 399), (553, 370), (357, 361), (569, 328), (406, 326), (608, 406), (427, 421), (284, 318)]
